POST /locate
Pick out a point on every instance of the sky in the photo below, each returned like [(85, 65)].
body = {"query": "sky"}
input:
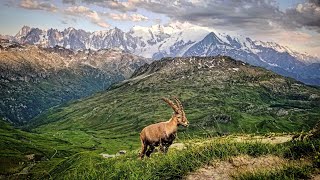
[(293, 23)]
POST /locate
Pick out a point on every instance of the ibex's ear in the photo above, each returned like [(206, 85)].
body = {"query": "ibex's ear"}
[(171, 104)]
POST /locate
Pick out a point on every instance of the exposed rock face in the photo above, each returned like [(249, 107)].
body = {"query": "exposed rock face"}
[(33, 79)]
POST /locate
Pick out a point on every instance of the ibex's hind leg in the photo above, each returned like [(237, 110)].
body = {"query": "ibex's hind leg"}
[(166, 148), (150, 150), (143, 149), (162, 148)]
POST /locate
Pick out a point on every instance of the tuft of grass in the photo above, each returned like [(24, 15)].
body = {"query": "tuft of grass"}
[(302, 149)]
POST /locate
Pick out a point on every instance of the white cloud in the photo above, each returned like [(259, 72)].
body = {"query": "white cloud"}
[(35, 5), (122, 6), (83, 11), (127, 17)]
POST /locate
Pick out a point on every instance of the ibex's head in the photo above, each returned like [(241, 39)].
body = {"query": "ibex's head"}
[(178, 111)]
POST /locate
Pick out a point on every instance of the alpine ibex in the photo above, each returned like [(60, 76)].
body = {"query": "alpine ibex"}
[(162, 134)]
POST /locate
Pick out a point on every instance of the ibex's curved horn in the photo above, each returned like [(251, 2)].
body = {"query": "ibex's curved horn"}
[(170, 103), (178, 103)]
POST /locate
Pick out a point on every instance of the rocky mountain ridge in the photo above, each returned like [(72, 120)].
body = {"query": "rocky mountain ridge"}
[(160, 41)]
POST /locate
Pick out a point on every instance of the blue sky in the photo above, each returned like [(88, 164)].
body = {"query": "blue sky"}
[(294, 23)]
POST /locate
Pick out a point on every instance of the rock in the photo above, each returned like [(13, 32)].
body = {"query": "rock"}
[(282, 112), (121, 152), (30, 157), (178, 146), (313, 97), (108, 155)]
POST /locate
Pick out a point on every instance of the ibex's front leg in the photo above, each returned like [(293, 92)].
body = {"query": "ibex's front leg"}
[(167, 147), (162, 147), (143, 149), (168, 143), (150, 150)]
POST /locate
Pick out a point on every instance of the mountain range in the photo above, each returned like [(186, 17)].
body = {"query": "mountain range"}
[(33, 79), (175, 40)]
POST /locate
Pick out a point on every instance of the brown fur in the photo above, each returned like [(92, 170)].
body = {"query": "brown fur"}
[(163, 134)]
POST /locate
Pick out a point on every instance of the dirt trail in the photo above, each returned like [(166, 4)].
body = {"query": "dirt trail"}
[(262, 139), (224, 170), (316, 177)]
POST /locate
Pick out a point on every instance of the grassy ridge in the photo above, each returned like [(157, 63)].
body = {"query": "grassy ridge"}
[(88, 165), (175, 165), (76, 161)]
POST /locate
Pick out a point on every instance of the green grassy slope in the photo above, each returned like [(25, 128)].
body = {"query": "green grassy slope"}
[(24, 154), (177, 164), (220, 95), (16, 145)]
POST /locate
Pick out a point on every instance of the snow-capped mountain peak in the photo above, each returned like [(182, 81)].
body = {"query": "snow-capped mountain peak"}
[(23, 32)]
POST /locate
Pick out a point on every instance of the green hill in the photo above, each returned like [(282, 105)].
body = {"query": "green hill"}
[(220, 96)]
